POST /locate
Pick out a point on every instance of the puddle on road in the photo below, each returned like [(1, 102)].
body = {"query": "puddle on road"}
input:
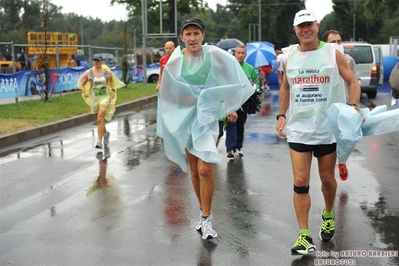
[(146, 146), (367, 194)]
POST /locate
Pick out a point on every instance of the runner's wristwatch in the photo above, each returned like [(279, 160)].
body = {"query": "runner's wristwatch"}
[(280, 115)]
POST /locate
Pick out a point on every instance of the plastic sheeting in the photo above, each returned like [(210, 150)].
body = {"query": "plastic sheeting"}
[(349, 127), (90, 101), (188, 114)]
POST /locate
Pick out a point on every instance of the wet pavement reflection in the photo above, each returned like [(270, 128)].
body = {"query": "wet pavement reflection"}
[(62, 202), (176, 207)]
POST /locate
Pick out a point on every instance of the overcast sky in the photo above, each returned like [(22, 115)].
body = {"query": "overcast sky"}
[(103, 10)]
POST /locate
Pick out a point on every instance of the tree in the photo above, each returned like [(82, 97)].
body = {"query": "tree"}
[(125, 66), (281, 32), (328, 23), (225, 25), (368, 18), (43, 59), (9, 14), (277, 17), (389, 29), (184, 7)]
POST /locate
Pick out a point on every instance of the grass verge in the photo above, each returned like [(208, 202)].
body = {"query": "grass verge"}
[(29, 114)]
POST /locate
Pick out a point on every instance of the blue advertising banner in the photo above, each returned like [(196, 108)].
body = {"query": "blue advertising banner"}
[(31, 82)]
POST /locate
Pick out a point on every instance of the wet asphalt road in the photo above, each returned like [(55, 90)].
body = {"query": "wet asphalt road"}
[(62, 202)]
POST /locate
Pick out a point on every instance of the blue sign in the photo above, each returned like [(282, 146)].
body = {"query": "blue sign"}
[(31, 82)]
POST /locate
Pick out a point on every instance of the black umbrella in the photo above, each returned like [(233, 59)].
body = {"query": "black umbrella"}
[(229, 43)]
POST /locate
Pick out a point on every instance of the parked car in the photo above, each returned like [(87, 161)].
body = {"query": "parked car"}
[(152, 73), (368, 70)]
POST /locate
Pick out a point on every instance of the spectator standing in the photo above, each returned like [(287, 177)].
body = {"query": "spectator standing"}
[(169, 48), (200, 84), (235, 130), (312, 82)]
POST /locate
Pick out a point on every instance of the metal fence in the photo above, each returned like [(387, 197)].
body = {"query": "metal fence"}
[(112, 56)]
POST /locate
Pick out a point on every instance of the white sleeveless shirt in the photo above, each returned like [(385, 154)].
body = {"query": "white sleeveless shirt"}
[(315, 83)]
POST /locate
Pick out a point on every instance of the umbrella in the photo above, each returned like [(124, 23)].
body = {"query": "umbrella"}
[(259, 54), (269, 43), (229, 43)]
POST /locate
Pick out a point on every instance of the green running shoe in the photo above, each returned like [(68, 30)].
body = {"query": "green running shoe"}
[(327, 229), (303, 245)]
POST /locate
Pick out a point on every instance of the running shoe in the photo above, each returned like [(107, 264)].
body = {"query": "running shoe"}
[(239, 153), (99, 145), (106, 138), (303, 245), (327, 229), (343, 171), (230, 154), (207, 230), (198, 226)]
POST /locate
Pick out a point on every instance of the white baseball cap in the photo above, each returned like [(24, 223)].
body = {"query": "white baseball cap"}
[(304, 16)]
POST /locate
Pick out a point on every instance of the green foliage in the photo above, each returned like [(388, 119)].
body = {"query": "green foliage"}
[(374, 21), (9, 10), (390, 28), (184, 8), (369, 18)]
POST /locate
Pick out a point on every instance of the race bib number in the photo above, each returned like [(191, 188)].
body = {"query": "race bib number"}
[(100, 92), (308, 96)]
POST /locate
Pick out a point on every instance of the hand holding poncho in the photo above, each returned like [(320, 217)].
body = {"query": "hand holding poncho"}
[(349, 128), (188, 111)]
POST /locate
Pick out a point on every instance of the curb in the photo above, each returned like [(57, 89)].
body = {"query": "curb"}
[(24, 135)]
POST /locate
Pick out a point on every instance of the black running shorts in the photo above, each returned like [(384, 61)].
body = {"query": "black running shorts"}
[(318, 150)]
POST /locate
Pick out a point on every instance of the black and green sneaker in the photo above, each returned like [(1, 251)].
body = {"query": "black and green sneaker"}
[(327, 229), (303, 245)]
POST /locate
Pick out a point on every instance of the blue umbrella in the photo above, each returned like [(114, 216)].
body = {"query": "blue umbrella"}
[(269, 43), (259, 54)]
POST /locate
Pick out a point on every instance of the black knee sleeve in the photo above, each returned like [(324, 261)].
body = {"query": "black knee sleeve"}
[(301, 190)]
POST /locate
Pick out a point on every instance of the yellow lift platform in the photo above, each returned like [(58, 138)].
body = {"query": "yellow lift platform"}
[(66, 43)]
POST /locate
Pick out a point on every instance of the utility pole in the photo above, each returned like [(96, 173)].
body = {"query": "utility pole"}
[(144, 52), (260, 23), (81, 32), (354, 20), (134, 46), (26, 21)]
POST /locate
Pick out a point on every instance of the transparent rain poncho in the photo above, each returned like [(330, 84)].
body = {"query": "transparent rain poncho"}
[(195, 92), (349, 128), (93, 101)]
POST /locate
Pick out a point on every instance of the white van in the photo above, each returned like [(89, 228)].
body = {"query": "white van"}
[(380, 64), (369, 72)]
